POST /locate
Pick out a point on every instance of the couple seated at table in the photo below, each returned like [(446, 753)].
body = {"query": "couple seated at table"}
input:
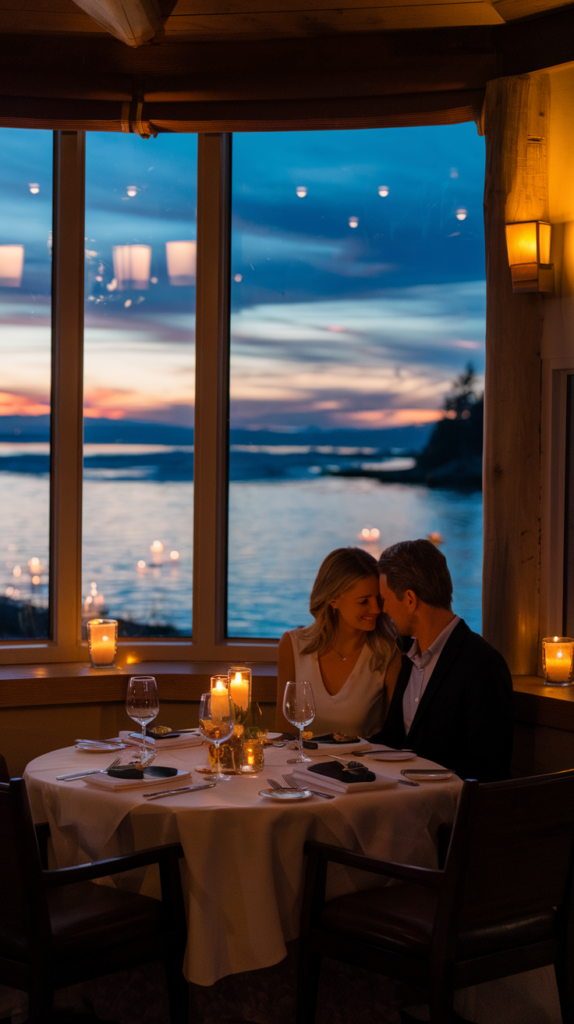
[(448, 698)]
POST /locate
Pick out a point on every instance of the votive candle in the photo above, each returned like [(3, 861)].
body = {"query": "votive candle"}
[(102, 642), (558, 660)]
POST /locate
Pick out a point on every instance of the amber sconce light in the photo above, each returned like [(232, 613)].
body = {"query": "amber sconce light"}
[(528, 245)]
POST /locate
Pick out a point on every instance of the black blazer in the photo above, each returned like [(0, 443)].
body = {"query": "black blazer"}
[(464, 720)]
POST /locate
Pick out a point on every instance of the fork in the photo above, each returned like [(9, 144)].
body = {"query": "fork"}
[(290, 778), (94, 771)]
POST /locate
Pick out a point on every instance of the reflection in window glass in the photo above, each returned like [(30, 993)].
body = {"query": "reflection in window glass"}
[(139, 380), (358, 300), (25, 344)]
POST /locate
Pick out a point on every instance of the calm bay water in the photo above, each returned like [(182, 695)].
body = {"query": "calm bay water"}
[(279, 532)]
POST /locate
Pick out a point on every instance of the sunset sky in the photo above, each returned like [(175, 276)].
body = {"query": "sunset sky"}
[(332, 325)]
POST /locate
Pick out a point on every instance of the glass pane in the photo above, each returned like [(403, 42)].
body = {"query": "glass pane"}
[(139, 382), (358, 298), (25, 347)]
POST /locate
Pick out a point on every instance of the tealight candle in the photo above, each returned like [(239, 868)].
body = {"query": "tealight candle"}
[(240, 686), (558, 660), (253, 756), (219, 696), (102, 642)]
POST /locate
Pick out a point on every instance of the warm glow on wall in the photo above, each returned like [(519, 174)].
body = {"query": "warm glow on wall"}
[(181, 258), (528, 245), (11, 265), (132, 264)]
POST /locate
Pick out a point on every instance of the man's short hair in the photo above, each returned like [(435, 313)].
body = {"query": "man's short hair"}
[(419, 566)]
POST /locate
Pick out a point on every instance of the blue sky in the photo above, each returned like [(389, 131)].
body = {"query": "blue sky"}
[(332, 325)]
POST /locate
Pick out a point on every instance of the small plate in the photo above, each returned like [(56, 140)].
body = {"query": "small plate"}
[(98, 748), (393, 755), (426, 775), (286, 794), (273, 736)]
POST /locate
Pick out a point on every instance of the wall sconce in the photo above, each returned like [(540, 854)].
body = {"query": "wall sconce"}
[(528, 245), (11, 265), (132, 265), (181, 259)]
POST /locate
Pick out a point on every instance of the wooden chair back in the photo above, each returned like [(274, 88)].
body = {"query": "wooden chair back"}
[(25, 917), (4, 773), (511, 849)]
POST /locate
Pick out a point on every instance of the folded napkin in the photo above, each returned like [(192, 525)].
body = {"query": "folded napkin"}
[(105, 781), (332, 778), (320, 745), (185, 740)]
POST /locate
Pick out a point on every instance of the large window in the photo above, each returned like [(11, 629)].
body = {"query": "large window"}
[(25, 336), (353, 265), (139, 382), (358, 298)]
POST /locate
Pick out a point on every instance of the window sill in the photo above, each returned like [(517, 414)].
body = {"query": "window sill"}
[(77, 683), (538, 704)]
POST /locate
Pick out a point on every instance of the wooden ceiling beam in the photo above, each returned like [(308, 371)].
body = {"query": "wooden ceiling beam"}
[(133, 22)]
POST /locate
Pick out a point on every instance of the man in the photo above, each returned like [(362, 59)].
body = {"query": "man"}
[(452, 702)]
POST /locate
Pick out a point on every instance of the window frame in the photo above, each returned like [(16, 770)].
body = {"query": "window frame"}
[(209, 641)]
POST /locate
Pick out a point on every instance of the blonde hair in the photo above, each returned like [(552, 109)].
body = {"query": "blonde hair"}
[(338, 572)]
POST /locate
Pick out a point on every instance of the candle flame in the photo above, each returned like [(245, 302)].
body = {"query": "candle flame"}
[(559, 655), (238, 677), (555, 639), (105, 638)]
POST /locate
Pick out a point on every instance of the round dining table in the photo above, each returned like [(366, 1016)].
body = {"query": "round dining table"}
[(244, 864)]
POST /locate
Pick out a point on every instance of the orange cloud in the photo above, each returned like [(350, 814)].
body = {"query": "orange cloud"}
[(395, 417), (21, 405)]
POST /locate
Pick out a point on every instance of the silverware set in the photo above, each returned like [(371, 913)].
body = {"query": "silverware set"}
[(145, 763)]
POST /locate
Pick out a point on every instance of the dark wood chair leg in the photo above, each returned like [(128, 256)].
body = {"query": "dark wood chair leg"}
[(441, 1002), (177, 988), (40, 1002), (565, 982), (308, 984)]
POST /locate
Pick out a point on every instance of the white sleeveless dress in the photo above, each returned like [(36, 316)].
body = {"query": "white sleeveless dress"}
[(358, 708)]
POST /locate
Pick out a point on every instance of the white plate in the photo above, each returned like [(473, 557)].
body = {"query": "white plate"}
[(338, 748), (105, 781), (286, 794), (393, 755), (273, 735), (98, 748), (426, 776)]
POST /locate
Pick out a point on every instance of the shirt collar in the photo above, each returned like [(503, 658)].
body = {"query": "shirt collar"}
[(421, 661)]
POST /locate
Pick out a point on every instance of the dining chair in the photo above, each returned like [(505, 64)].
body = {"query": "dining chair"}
[(500, 906), (57, 928)]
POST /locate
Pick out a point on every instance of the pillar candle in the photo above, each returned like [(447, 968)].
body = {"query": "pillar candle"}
[(219, 697), (239, 687)]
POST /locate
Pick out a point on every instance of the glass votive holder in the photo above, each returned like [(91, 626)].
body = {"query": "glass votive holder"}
[(558, 660), (219, 696), (240, 687), (253, 756), (103, 642)]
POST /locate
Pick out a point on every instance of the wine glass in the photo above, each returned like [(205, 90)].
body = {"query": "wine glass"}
[(299, 709), (216, 723), (142, 703)]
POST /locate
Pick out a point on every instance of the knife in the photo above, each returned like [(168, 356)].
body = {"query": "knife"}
[(182, 789)]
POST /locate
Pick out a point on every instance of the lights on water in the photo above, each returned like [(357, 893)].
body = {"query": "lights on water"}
[(17, 572), (11, 265), (383, 191), (127, 303), (369, 534), (461, 213), (132, 190), (141, 565), (353, 222), (453, 172), (174, 555), (34, 187), (181, 260), (238, 278), (301, 191), (435, 538)]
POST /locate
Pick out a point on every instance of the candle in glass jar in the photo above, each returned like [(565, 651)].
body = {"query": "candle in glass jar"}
[(219, 696), (240, 686), (558, 659), (102, 642)]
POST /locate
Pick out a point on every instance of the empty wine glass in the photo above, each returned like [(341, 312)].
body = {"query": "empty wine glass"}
[(216, 723), (299, 709), (142, 703)]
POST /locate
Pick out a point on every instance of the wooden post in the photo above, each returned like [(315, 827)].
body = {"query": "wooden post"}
[(516, 119)]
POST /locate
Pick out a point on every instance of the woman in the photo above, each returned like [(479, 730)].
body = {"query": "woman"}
[(349, 654)]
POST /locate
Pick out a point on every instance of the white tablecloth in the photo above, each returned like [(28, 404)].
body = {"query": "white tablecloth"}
[(243, 854), (244, 866)]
